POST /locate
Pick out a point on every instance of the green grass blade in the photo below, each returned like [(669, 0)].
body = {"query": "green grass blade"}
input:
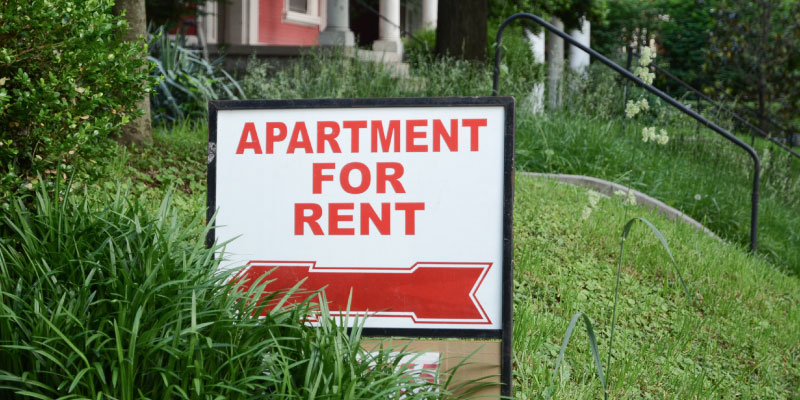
[(625, 231), (592, 345), (66, 341), (666, 247)]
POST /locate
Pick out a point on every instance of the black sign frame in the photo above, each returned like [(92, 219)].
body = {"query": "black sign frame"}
[(505, 334)]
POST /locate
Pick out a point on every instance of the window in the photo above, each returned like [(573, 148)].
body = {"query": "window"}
[(299, 6), (301, 12)]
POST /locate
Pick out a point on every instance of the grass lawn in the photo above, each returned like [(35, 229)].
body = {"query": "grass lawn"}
[(699, 173), (736, 337)]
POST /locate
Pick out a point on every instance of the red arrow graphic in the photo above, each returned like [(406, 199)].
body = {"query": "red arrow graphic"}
[(438, 292)]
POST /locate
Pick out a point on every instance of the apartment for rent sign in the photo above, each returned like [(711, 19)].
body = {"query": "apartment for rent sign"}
[(400, 207)]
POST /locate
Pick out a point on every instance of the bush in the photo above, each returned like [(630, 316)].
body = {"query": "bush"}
[(518, 69), (187, 81), (66, 81), (118, 302)]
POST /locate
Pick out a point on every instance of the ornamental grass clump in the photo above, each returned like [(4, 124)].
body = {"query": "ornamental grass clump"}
[(186, 80), (106, 300)]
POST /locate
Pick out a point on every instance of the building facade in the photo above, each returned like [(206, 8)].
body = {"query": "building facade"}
[(286, 27)]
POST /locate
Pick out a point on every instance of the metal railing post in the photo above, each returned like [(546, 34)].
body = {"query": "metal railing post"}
[(699, 111)]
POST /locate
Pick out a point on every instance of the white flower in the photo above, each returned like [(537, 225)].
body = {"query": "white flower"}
[(628, 198), (644, 74), (662, 137), (647, 57), (648, 134), (643, 104), (633, 107), (698, 197), (594, 198), (631, 198), (648, 54)]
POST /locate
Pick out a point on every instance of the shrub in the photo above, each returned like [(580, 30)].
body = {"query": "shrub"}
[(186, 80), (118, 302), (518, 69), (66, 81)]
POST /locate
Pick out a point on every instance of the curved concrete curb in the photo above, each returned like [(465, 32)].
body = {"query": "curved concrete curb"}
[(608, 188)]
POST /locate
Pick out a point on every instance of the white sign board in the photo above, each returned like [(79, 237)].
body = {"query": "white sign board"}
[(399, 206)]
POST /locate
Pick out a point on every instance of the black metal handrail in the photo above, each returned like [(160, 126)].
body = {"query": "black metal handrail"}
[(669, 100), (768, 120), (746, 110), (753, 129)]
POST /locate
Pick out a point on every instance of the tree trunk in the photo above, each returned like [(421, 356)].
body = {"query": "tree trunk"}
[(763, 42), (138, 130), (461, 29), (762, 102), (555, 65)]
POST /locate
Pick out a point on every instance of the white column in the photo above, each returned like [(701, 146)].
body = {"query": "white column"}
[(207, 22), (252, 21), (313, 8), (536, 42), (579, 59), (429, 13), (555, 65), (389, 32), (337, 30), (536, 98)]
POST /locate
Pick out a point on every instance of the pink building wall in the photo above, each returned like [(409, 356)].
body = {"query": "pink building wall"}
[(273, 31)]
